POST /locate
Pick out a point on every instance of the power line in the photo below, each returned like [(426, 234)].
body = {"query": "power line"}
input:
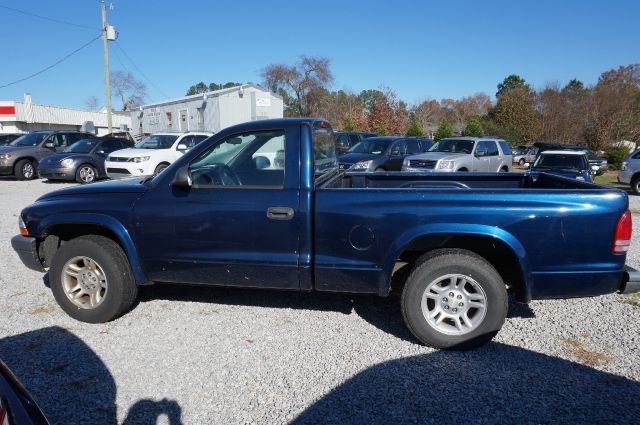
[(46, 18), (127, 69), (139, 70), (51, 66)]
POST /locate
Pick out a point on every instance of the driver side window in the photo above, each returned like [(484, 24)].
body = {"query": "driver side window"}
[(247, 159)]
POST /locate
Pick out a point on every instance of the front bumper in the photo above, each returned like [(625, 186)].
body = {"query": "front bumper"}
[(6, 170), (631, 281), (27, 250), (57, 173), (624, 176), (125, 170)]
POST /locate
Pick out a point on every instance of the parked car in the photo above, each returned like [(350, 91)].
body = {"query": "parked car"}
[(630, 171), (83, 161), (593, 157), (522, 156), (346, 139), (462, 154), (22, 156), (7, 138), (598, 161), (217, 217), (152, 154), (384, 153), (571, 164), (17, 407)]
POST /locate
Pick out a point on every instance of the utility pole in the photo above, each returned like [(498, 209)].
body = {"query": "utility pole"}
[(106, 64)]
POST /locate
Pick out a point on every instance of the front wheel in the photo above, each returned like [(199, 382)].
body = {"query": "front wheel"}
[(454, 299), (635, 185), (91, 279), (160, 168), (25, 170), (86, 174), (521, 162)]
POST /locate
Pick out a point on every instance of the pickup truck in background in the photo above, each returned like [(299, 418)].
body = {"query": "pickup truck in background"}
[(221, 215)]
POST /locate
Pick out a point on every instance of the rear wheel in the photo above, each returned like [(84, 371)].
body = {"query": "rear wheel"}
[(25, 169), (86, 174), (521, 162), (635, 185), (504, 170), (91, 279), (454, 299)]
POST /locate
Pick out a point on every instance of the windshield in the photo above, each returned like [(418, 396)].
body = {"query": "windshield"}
[(157, 141), (31, 139), (452, 145), (573, 162), (83, 146), (372, 146)]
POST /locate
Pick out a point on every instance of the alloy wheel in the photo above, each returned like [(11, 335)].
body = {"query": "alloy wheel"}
[(84, 282)]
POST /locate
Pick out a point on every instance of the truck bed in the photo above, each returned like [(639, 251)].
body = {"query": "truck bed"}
[(454, 181)]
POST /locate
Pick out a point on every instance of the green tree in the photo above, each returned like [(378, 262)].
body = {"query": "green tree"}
[(414, 127), (368, 98), (444, 130), (214, 86), (201, 87), (511, 82), (473, 128), (380, 130), (349, 125), (516, 117)]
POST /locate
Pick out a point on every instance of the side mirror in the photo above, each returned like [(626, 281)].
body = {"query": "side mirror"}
[(394, 153), (527, 165), (49, 145), (480, 153), (182, 179), (182, 147), (261, 162), (101, 153)]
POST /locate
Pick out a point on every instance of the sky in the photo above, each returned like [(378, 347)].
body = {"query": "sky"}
[(421, 49)]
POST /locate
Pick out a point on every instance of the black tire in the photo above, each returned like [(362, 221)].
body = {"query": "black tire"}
[(463, 170), (635, 185), (121, 291), (83, 178), (21, 170), (442, 262), (160, 168), (522, 162), (504, 170)]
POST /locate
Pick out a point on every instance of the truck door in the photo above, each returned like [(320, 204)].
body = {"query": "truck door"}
[(494, 157), (236, 225), (481, 160)]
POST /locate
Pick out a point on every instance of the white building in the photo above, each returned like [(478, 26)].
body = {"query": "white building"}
[(211, 111), (23, 117)]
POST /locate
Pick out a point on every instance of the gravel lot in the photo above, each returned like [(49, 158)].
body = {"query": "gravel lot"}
[(202, 355)]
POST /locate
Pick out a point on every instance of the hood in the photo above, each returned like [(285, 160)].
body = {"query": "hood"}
[(132, 185), (10, 149), (436, 156), (57, 157), (131, 152), (352, 158)]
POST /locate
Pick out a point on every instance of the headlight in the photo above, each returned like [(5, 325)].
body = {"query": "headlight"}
[(580, 178), (67, 162), (140, 159), (22, 226), (624, 166), (5, 156), (445, 165), (362, 165)]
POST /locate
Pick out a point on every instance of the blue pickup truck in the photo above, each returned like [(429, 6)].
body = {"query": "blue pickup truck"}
[(265, 205)]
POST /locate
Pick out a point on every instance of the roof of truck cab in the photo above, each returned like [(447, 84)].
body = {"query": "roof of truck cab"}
[(563, 153)]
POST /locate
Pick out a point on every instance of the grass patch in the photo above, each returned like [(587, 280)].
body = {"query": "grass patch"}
[(584, 356), (633, 299), (610, 179)]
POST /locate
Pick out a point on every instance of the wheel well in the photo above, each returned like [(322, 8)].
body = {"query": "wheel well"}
[(496, 252), (30, 158), (635, 176), (463, 169), (505, 168), (58, 235)]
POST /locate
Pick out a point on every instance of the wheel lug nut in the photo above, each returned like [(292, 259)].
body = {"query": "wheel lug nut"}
[(446, 307), (459, 297), (461, 304), (445, 299), (451, 294), (455, 310)]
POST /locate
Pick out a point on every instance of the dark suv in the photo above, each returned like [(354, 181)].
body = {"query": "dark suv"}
[(384, 153), (346, 139), (22, 156)]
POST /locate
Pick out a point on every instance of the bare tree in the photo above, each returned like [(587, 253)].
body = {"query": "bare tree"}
[(130, 90), (92, 103), (300, 82)]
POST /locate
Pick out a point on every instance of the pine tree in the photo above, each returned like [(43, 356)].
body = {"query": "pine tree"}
[(414, 127), (444, 130), (473, 128)]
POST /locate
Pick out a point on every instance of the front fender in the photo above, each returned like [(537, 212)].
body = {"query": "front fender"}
[(411, 235), (109, 223)]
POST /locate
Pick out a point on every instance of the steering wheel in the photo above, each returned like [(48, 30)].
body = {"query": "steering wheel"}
[(215, 175)]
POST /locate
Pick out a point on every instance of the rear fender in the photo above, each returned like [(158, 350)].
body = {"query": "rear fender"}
[(457, 229)]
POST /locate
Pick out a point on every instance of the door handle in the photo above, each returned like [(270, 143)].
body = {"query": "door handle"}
[(280, 213)]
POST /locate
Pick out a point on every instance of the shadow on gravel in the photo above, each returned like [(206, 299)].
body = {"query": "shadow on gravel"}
[(383, 313), (494, 384), (69, 381)]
